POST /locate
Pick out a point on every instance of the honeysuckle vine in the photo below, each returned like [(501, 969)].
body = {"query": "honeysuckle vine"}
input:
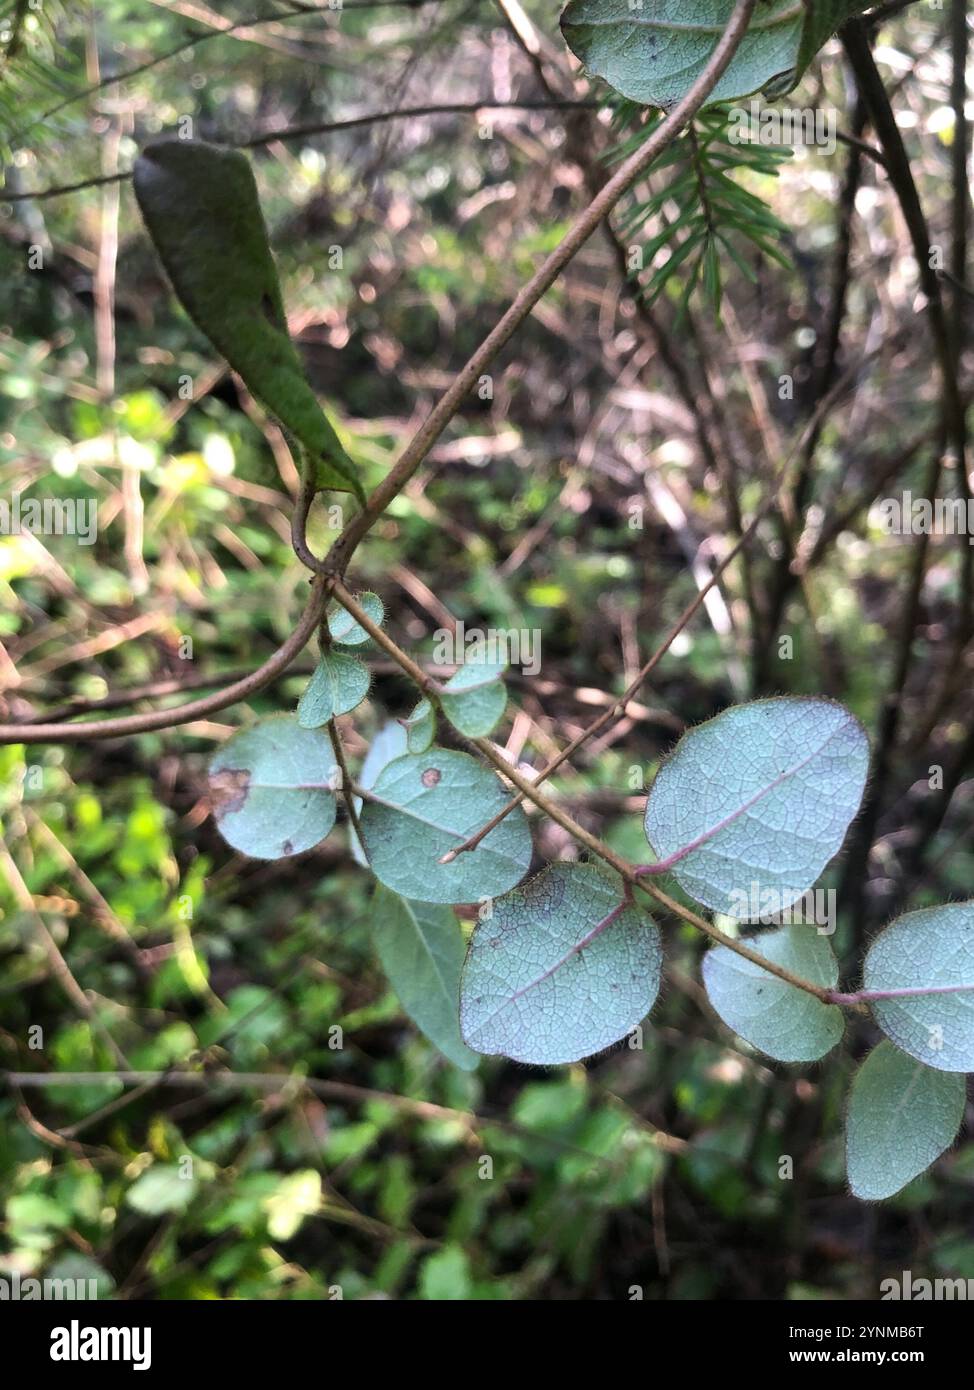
[(568, 961)]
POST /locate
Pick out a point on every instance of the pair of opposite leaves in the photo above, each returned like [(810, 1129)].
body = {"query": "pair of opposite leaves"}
[(200, 206)]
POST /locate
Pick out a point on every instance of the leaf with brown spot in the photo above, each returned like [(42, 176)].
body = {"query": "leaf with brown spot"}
[(427, 808), (271, 788), (228, 790)]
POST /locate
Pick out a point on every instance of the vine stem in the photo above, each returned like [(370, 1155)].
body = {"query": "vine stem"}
[(194, 709), (428, 433), (626, 871), (528, 296), (347, 795), (300, 132), (299, 517)]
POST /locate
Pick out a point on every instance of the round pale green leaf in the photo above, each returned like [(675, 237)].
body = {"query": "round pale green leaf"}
[(389, 743), (270, 788), (654, 50), (474, 698), (421, 949), (901, 1117), (541, 984), (160, 1190), (431, 803), (420, 727), (785, 1022), (751, 806), (340, 682), (932, 949), (345, 629), (200, 206)]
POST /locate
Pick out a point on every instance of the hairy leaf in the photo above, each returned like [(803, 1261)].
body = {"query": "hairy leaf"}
[(474, 698), (270, 788), (420, 728), (901, 1117), (930, 949), (752, 805), (343, 627), (781, 1020), (543, 984), (652, 51), (340, 682), (199, 203), (421, 949), (431, 803)]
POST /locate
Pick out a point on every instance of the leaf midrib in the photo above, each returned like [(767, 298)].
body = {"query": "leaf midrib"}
[(678, 855)]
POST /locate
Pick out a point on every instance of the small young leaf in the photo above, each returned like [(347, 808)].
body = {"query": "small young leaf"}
[(901, 1117), (757, 801), (317, 704), (930, 949), (421, 949), (543, 984), (474, 698), (420, 727), (340, 682), (430, 803), (771, 1015), (389, 743), (350, 680), (200, 206), (343, 627), (270, 788)]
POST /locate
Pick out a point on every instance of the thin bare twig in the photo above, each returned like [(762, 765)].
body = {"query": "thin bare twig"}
[(300, 132)]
